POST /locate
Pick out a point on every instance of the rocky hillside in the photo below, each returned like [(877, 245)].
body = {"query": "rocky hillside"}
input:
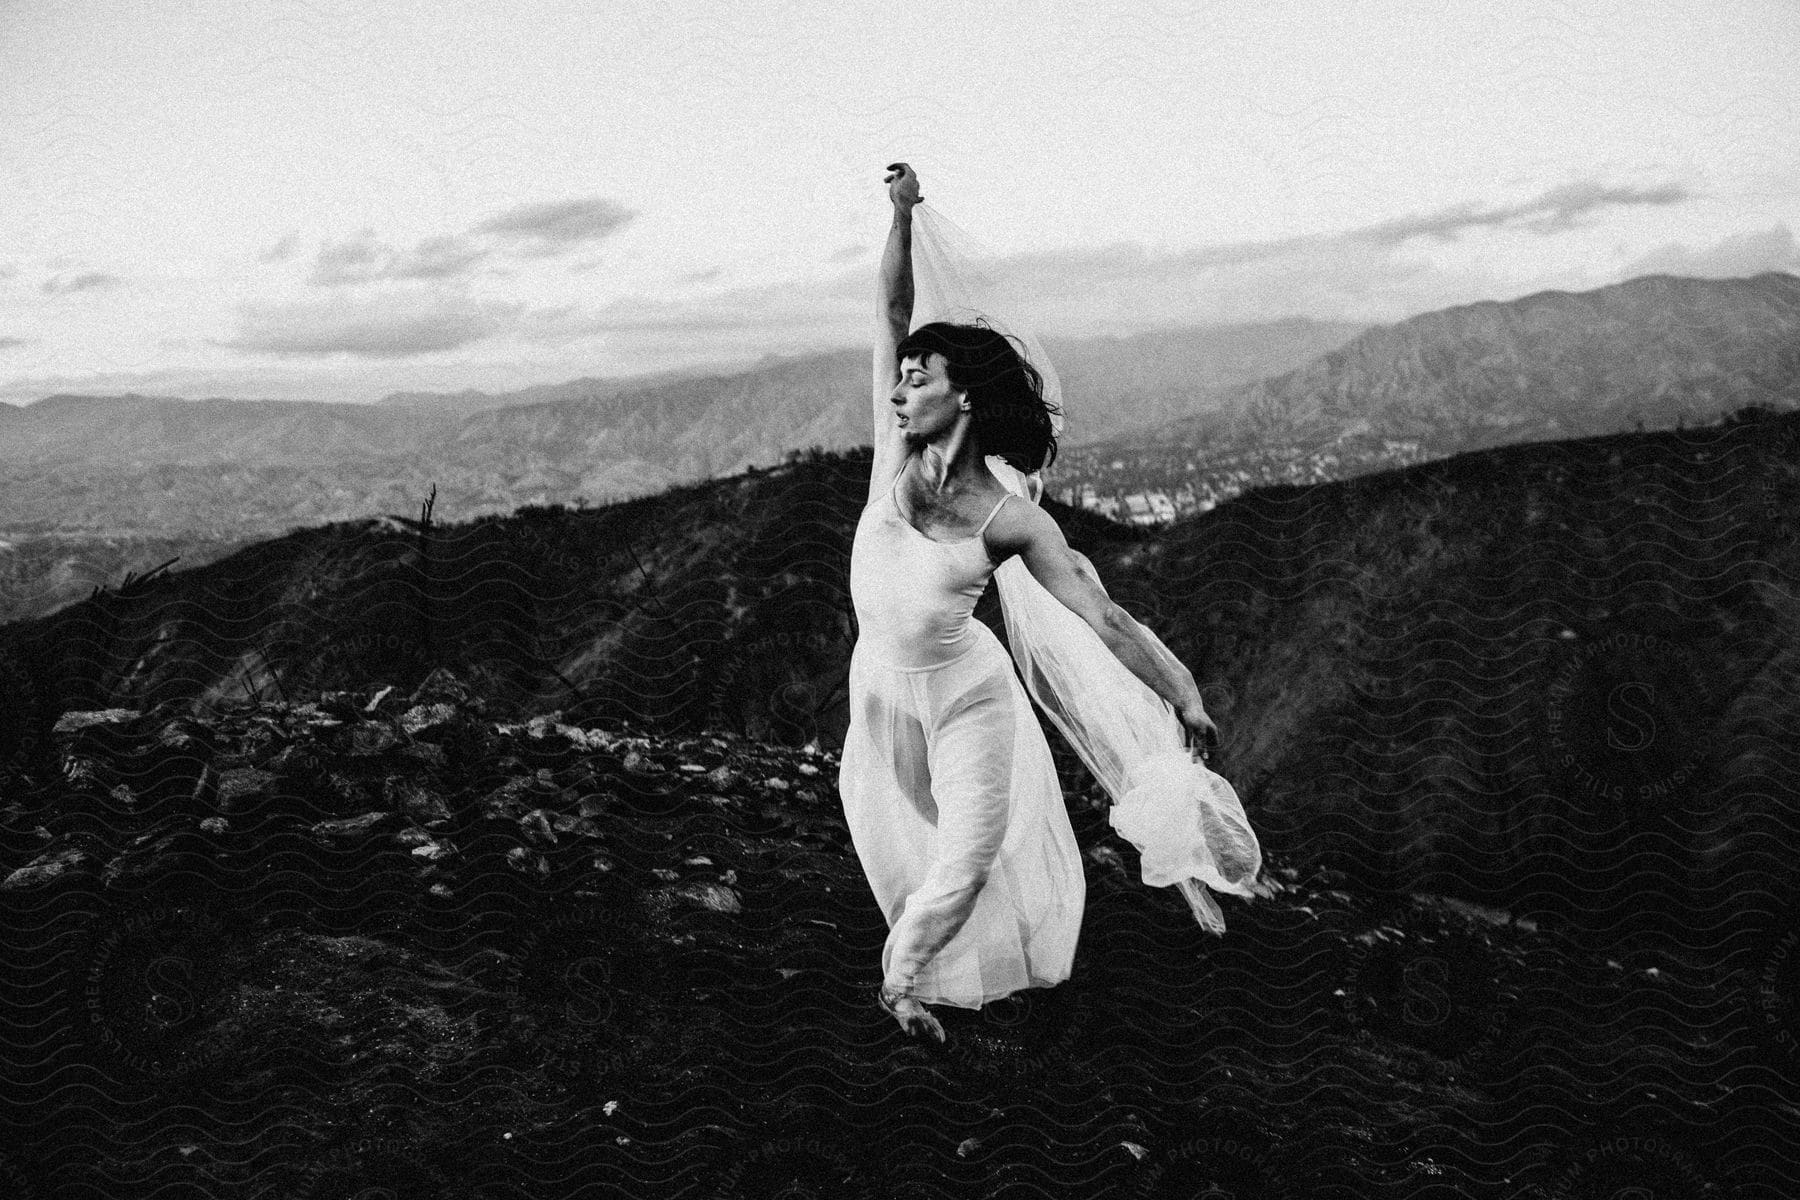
[(385, 943), (1526, 676)]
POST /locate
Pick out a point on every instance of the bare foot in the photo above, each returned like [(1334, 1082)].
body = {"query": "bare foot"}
[(913, 1016)]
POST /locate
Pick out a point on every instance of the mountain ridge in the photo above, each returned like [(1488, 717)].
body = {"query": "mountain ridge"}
[(1485, 581), (1455, 360)]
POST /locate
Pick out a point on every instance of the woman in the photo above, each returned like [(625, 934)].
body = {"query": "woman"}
[(949, 789)]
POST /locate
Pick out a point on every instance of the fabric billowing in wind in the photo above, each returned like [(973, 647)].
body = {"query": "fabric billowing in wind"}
[(1186, 821)]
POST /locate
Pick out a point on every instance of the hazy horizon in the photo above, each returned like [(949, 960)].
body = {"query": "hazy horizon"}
[(461, 198)]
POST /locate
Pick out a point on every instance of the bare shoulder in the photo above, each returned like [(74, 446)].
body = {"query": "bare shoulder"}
[(1018, 527)]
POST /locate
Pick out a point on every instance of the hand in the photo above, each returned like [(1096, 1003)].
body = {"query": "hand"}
[(903, 185), (913, 1016), (1202, 735)]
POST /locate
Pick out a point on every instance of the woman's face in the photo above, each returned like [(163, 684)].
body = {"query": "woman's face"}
[(925, 405)]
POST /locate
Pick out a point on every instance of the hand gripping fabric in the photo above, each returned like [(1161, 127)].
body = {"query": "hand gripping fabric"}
[(1186, 821)]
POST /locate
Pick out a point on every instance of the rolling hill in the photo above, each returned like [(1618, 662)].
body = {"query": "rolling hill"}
[(1413, 627), (505, 854)]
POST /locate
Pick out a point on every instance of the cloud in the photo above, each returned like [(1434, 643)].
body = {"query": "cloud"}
[(749, 308), (397, 325), (281, 251), (365, 258), (556, 226), (542, 230), (1554, 211), (438, 258), (1741, 254), (1380, 271), (1370, 272), (356, 259), (87, 281)]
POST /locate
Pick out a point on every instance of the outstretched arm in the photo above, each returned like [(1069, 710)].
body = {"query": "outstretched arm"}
[(893, 319), (1034, 535)]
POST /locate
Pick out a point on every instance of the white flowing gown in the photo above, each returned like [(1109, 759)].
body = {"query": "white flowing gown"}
[(949, 789)]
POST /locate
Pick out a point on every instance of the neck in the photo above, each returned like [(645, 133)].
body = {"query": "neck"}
[(956, 461)]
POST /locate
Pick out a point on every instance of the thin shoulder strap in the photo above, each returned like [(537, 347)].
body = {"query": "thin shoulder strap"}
[(991, 515)]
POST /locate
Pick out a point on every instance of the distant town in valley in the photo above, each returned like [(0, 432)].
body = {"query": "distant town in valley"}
[(1150, 485)]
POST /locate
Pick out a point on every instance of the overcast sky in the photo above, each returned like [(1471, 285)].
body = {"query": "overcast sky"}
[(332, 199)]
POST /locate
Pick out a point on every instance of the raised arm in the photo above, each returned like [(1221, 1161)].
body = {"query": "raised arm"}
[(893, 318)]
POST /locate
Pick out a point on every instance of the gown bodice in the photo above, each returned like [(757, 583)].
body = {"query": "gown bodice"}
[(915, 596)]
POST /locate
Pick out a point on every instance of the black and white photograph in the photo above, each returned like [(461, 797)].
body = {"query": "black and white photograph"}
[(899, 601)]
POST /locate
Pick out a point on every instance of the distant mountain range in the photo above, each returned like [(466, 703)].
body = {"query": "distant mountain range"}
[(1655, 352), (132, 463), (1549, 365), (1214, 410)]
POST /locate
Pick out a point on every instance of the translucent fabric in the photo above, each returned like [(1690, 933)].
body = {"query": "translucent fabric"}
[(1186, 821), (949, 789), (949, 285)]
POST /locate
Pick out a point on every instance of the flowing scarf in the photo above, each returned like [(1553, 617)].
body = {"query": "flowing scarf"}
[(1186, 821)]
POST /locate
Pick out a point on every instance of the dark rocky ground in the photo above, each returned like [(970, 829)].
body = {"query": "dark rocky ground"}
[(390, 945)]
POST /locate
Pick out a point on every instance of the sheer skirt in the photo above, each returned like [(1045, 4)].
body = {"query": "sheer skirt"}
[(954, 805)]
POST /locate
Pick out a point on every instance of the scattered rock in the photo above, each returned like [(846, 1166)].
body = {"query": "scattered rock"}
[(443, 687), (537, 828), (240, 787), (424, 717), (69, 722), (357, 826), (588, 739), (415, 800), (50, 867), (715, 896), (527, 861)]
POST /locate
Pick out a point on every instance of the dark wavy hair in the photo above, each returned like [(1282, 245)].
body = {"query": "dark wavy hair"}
[(1006, 393)]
